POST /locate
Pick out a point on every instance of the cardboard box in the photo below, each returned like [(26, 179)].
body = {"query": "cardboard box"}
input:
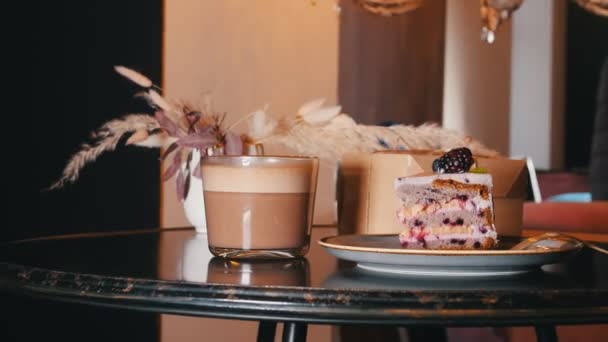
[(367, 201)]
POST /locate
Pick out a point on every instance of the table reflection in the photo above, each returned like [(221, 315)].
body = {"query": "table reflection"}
[(196, 258), (284, 272), (199, 265)]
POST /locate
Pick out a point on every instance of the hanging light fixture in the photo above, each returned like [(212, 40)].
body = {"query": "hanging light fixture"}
[(493, 14), (389, 8)]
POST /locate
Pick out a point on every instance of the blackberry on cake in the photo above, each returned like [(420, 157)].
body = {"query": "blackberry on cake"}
[(447, 210), (458, 160)]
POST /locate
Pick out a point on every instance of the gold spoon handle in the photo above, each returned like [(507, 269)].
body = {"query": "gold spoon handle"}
[(546, 236)]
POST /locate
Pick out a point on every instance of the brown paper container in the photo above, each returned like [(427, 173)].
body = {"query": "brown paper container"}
[(367, 201)]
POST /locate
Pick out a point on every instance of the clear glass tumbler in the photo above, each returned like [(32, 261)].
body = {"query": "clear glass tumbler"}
[(259, 206)]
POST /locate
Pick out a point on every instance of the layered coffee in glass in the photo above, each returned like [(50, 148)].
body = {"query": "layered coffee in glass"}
[(259, 206)]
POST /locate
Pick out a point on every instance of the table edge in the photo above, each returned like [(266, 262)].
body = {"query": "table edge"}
[(311, 305)]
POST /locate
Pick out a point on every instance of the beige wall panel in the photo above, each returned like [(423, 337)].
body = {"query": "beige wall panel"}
[(477, 77), (248, 54)]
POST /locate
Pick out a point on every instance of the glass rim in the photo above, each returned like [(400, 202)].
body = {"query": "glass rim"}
[(255, 159)]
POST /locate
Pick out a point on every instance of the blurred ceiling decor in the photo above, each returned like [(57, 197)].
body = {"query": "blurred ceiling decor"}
[(389, 8), (598, 7), (493, 14)]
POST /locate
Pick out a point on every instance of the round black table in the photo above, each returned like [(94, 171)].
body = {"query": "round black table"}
[(171, 271)]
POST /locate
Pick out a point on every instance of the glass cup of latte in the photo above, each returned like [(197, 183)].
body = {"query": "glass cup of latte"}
[(259, 206)]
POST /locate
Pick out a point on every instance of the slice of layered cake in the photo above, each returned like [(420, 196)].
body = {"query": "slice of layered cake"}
[(447, 210)]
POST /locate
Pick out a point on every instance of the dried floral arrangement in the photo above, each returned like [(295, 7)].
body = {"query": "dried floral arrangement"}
[(179, 129), (327, 133)]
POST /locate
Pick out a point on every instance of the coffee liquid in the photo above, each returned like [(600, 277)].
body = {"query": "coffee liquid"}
[(258, 220)]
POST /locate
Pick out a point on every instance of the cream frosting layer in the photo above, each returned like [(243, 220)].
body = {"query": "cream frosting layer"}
[(466, 178)]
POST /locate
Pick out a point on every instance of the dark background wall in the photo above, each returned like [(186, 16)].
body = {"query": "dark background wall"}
[(76, 45), (587, 47)]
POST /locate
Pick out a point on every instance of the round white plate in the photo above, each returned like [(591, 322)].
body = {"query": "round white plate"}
[(383, 253)]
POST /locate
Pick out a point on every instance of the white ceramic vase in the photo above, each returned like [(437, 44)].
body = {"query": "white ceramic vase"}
[(194, 204)]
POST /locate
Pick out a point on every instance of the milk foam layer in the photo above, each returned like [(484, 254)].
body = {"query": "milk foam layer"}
[(259, 179)]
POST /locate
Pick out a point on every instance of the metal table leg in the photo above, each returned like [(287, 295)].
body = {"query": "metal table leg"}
[(546, 333), (294, 332), (266, 331), (427, 334)]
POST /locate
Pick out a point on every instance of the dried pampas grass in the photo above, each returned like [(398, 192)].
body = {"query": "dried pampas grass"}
[(325, 133), (134, 76), (105, 139)]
